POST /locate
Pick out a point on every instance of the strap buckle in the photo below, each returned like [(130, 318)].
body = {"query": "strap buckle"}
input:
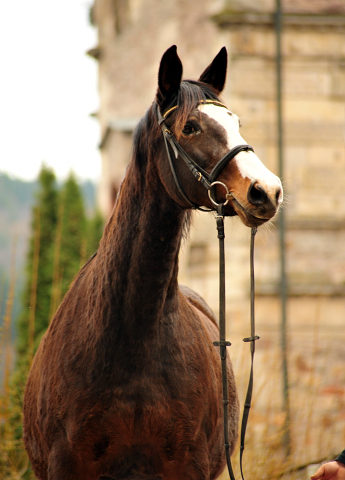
[(222, 343), (251, 339)]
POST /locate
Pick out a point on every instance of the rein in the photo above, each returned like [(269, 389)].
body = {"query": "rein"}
[(223, 343), (209, 181)]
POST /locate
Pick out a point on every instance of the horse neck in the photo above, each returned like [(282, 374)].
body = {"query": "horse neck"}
[(139, 251)]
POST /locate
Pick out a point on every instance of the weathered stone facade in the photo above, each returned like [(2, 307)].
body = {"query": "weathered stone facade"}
[(133, 34), (132, 37)]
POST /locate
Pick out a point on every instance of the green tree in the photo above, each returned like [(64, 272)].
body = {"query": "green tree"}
[(70, 242), (34, 318), (61, 240), (94, 232)]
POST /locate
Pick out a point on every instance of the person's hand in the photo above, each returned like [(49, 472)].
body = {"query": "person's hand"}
[(330, 471)]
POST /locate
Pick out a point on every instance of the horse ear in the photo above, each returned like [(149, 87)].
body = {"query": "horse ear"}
[(170, 75), (215, 73)]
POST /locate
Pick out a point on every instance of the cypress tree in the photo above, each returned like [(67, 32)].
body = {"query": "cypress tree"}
[(34, 318), (61, 238), (71, 235), (61, 241)]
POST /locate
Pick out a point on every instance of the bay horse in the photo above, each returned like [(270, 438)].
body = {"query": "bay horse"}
[(126, 383)]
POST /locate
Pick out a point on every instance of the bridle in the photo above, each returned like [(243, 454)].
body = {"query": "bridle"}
[(209, 181)]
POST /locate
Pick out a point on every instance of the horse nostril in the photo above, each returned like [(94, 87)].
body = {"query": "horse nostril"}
[(279, 195), (257, 194)]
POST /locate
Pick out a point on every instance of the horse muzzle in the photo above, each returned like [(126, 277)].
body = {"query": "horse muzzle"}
[(260, 205)]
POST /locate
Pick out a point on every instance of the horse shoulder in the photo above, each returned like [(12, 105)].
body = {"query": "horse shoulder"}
[(199, 303)]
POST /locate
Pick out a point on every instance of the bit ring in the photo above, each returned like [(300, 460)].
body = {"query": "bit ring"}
[(228, 194)]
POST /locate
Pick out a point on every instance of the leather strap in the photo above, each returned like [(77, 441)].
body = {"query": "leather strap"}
[(222, 337), (223, 343), (226, 159), (199, 173), (252, 339)]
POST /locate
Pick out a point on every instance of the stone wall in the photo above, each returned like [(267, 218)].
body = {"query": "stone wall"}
[(133, 34), (314, 125)]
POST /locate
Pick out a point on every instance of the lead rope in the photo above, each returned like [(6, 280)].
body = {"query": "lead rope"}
[(223, 343)]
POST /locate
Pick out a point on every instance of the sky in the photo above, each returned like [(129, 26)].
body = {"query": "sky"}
[(48, 89)]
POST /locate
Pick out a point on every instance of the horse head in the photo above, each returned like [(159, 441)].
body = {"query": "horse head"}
[(202, 130)]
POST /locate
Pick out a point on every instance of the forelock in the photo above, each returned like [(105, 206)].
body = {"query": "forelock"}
[(190, 94)]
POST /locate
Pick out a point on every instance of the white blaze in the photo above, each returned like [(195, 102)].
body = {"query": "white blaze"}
[(247, 163)]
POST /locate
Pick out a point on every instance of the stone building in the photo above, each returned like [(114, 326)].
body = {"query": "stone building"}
[(133, 34)]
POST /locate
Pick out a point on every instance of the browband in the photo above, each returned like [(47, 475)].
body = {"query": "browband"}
[(202, 102)]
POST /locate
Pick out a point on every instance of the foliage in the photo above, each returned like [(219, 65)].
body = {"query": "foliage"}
[(14, 462), (17, 198), (62, 237), (39, 273), (69, 246)]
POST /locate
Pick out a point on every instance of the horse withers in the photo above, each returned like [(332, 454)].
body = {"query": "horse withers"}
[(126, 383)]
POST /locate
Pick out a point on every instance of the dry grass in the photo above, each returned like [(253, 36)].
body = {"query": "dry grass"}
[(316, 392)]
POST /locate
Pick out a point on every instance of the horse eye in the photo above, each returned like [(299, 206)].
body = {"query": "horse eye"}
[(188, 129)]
